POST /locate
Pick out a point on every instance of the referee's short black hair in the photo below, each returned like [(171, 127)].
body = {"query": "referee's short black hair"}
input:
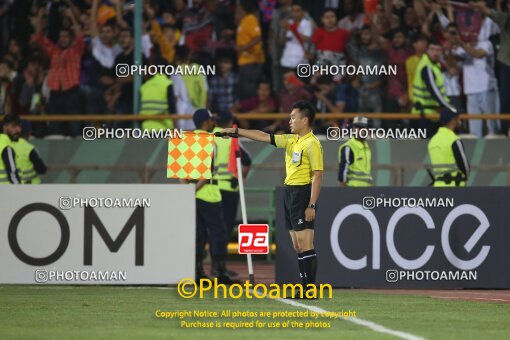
[(306, 109)]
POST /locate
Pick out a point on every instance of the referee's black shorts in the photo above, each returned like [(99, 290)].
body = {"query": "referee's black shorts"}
[(296, 200)]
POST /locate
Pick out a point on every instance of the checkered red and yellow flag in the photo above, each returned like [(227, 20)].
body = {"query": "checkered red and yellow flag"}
[(190, 157)]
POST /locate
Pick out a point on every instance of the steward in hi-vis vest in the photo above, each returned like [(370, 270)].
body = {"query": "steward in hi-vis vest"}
[(429, 93), (28, 161), (157, 98), (355, 157), (11, 126), (209, 213), (450, 166)]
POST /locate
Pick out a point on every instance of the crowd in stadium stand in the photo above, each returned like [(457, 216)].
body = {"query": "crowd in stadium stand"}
[(60, 56)]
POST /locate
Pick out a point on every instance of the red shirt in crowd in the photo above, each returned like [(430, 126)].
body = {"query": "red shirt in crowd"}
[(197, 28), (64, 72), (330, 41), (249, 104), (397, 84)]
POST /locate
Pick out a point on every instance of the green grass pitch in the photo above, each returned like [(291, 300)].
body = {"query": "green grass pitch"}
[(98, 312)]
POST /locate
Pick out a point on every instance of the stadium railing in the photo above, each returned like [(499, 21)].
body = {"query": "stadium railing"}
[(146, 172)]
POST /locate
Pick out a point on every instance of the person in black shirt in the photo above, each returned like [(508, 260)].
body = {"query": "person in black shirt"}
[(11, 125)]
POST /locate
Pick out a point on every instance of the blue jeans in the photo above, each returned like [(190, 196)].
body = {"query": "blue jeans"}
[(210, 227), (479, 103)]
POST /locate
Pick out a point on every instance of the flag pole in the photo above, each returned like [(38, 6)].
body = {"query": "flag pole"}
[(251, 276)]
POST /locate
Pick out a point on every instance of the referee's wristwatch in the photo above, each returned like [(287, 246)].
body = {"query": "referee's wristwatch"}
[(311, 206)]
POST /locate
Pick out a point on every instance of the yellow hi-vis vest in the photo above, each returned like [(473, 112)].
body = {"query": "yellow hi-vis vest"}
[(196, 85), (442, 157), (421, 95), (154, 101), (225, 178), (5, 141), (358, 173), (27, 173), (210, 192)]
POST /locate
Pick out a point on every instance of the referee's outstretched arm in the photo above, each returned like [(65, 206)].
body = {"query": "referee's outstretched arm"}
[(257, 135)]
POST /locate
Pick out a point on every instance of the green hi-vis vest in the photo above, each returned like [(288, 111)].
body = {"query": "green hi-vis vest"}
[(210, 192), (26, 170), (421, 95), (154, 101), (5, 141), (358, 173), (442, 158), (225, 178)]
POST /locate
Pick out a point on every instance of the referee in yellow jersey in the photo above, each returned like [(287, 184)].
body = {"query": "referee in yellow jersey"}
[(304, 167)]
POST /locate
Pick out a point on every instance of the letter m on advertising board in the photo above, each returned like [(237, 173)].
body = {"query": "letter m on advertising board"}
[(136, 221)]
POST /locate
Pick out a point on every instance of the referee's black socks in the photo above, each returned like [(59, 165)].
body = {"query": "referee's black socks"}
[(309, 260), (301, 264)]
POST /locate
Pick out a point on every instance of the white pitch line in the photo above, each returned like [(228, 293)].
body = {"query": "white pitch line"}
[(365, 323), (492, 299), (485, 293), (466, 298)]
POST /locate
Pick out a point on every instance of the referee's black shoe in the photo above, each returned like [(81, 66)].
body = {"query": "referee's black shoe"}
[(230, 273), (219, 267), (226, 279)]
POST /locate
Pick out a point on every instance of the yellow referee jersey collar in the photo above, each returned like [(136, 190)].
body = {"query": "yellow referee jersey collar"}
[(309, 134)]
